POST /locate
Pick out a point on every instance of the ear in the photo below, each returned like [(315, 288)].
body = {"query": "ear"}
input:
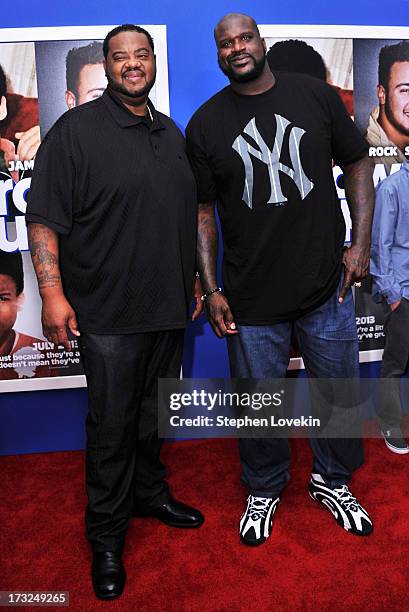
[(381, 95), (264, 44), (70, 99)]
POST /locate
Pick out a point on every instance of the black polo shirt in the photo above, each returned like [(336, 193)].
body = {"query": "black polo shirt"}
[(120, 192)]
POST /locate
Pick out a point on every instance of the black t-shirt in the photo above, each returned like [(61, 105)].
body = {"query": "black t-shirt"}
[(267, 160), (122, 195)]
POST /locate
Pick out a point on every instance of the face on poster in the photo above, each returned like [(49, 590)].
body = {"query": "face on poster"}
[(39, 81), (78, 76), (382, 95)]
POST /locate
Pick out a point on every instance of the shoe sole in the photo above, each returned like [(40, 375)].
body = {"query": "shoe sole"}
[(395, 449), (108, 597), (341, 524), (252, 543)]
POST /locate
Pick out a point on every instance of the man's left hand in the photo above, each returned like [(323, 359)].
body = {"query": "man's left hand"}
[(197, 295), (356, 263)]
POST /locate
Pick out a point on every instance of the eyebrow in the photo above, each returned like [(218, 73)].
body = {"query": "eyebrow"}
[(402, 85), (224, 38), (135, 51)]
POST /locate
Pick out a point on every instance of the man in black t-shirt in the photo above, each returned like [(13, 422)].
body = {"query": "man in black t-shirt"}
[(112, 214), (263, 148)]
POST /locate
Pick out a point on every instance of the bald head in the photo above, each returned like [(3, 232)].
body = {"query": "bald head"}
[(237, 18), (240, 49)]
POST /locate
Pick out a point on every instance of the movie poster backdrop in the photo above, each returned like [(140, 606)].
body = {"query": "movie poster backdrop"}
[(34, 61), (351, 58)]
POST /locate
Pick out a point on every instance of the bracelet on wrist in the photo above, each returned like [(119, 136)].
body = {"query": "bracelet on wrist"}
[(209, 293)]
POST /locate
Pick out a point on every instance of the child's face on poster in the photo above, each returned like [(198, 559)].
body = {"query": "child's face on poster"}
[(10, 303)]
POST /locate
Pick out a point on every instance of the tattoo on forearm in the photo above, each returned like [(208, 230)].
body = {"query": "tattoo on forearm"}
[(46, 279), (42, 244)]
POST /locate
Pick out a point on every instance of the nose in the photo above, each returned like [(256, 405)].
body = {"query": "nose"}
[(238, 45), (133, 62)]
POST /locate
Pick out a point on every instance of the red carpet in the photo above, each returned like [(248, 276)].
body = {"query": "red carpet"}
[(309, 563)]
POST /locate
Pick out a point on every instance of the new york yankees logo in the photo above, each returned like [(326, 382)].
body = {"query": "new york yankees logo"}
[(272, 160)]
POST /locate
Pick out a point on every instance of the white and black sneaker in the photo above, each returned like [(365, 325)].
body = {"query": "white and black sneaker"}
[(395, 441), (256, 522), (346, 509)]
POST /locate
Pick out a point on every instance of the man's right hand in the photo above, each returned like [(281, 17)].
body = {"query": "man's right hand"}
[(220, 315), (394, 305), (57, 316)]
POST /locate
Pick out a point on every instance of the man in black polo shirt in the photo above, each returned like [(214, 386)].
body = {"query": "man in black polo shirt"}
[(112, 216), (263, 148)]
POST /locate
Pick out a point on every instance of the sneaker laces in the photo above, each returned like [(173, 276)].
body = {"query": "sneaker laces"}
[(258, 507), (346, 498)]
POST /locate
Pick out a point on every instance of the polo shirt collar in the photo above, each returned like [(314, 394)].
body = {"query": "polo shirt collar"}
[(124, 117)]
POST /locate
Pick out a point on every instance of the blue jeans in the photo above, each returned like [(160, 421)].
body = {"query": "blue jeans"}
[(328, 343)]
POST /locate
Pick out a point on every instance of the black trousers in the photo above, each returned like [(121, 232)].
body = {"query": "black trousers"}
[(123, 467), (394, 364)]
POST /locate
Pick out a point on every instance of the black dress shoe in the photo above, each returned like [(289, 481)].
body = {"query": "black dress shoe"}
[(175, 514), (108, 575)]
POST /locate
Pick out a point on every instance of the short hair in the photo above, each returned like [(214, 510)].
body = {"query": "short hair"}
[(77, 58), (3, 82), (388, 55), (11, 264), (126, 27), (296, 56)]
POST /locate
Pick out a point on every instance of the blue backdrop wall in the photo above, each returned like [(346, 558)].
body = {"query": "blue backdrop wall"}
[(53, 420)]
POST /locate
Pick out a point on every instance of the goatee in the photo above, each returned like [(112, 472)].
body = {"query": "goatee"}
[(258, 66), (121, 89)]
